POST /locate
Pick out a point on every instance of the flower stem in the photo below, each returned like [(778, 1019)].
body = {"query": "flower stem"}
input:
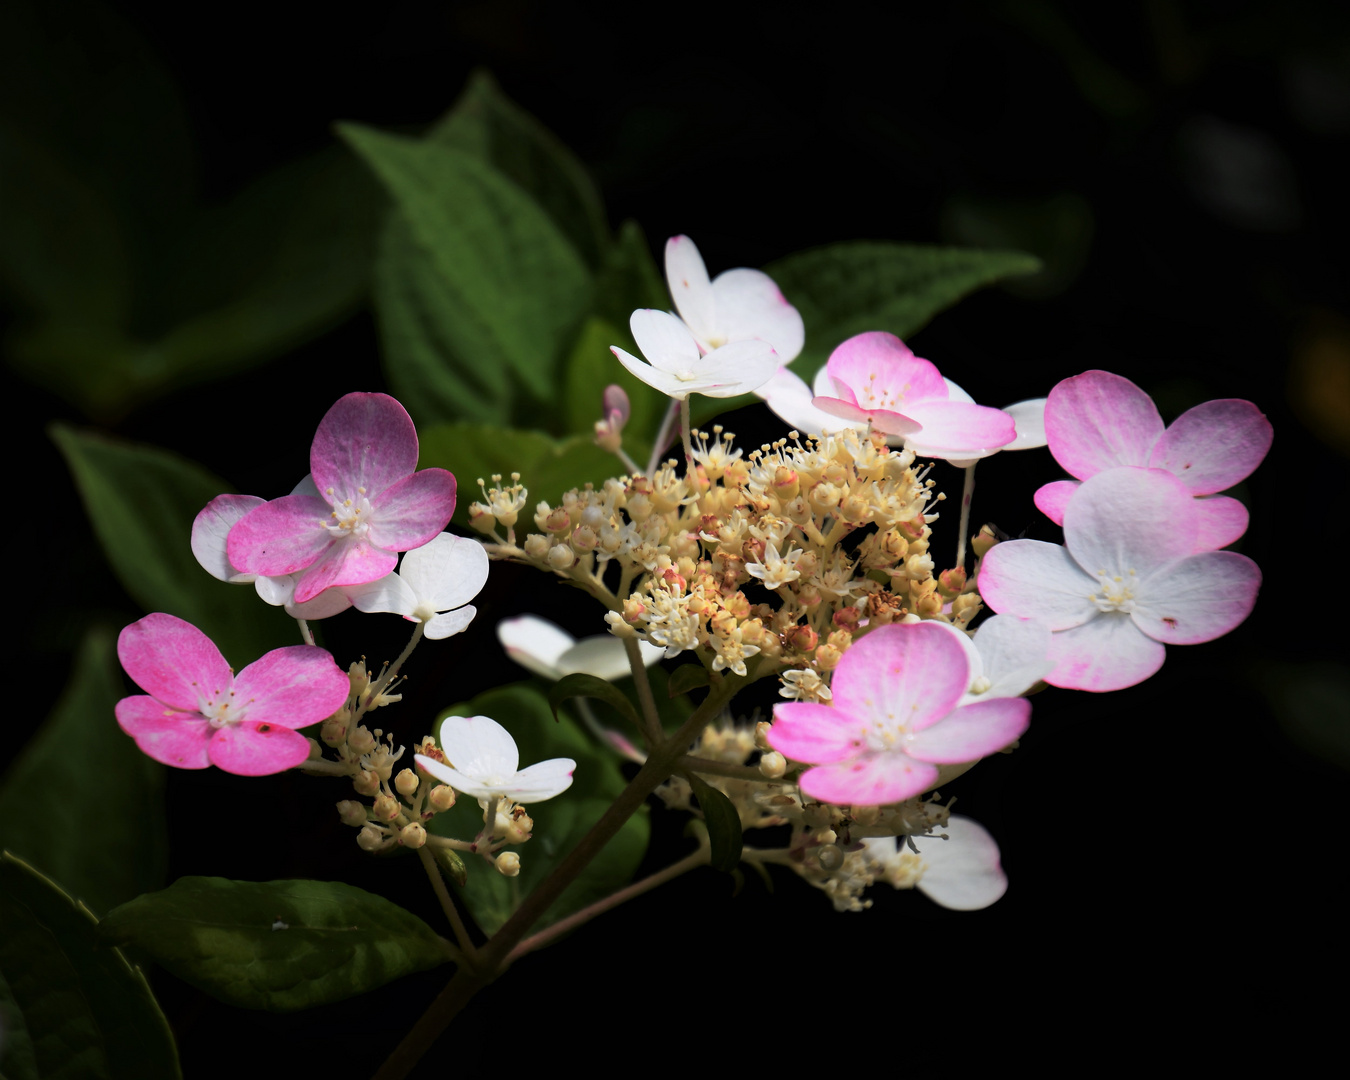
[(966, 492), (663, 436), (684, 434), (305, 632), (443, 895), (651, 719)]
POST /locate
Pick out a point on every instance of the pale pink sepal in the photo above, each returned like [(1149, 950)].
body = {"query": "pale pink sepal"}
[(963, 872), (1097, 421), (750, 305), (546, 649), (809, 731), (876, 779), (482, 760), (412, 511), (291, 687), (951, 428), (211, 531), (172, 738), (449, 623), (478, 746), (364, 441), (915, 674), (1107, 653), (257, 748), (1220, 520), (882, 372), (790, 398), (1052, 498), (1199, 598), (1130, 522), (284, 536), (1036, 580), (972, 731), (346, 563), (173, 661), (687, 279), (886, 421), (1214, 445)]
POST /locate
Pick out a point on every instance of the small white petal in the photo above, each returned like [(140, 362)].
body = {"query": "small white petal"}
[(963, 872), (535, 644), (447, 572), (389, 593), (452, 622), (479, 747)]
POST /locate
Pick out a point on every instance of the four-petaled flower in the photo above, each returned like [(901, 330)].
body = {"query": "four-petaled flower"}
[(1127, 581), (481, 760), (678, 367), (1097, 420), (896, 715), (199, 713), (370, 505)]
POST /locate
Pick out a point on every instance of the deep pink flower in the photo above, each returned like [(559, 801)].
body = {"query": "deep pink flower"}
[(879, 381), (199, 713), (1127, 581), (370, 503), (1097, 420), (895, 716)]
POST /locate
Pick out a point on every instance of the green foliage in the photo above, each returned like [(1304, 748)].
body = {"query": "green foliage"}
[(141, 502), (724, 824), (510, 287), (579, 684), (547, 466), (71, 1006), (559, 823), (276, 945), (687, 677), (82, 802)]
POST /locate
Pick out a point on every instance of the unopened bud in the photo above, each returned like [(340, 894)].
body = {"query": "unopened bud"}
[(536, 546), (929, 605), (481, 518), (558, 520), (762, 735), (508, 864), (785, 484), (406, 782), (366, 782), (830, 857), (334, 729), (412, 836), (983, 541), (828, 657), (442, 797), (773, 764), (951, 582), (802, 638), (370, 839), (361, 740), (583, 540), (386, 807), (352, 813), (561, 557)]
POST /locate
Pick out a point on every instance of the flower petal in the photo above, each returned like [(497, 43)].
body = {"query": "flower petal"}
[(750, 364), (211, 530), (1129, 521), (173, 661), (883, 373), (870, 780), (605, 657), (1097, 421), (956, 429), (1036, 580), (814, 733), (450, 623), (1052, 498), (541, 781), (171, 737), (535, 644), (1199, 598), (909, 675), (283, 536), (257, 749), (1219, 521), (346, 562), (749, 305), (972, 731), (446, 573), (291, 687), (963, 872), (479, 747), (1108, 653), (364, 441), (389, 593), (888, 423), (413, 511), (1030, 419), (664, 341), (687, 279), (1015, 654), (668, 384), (1214, 445), (328, 603)]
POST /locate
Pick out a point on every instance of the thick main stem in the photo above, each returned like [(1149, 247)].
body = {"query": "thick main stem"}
[(651, 720)]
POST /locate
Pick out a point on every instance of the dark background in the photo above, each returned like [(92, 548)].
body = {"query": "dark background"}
[(1180, 167)]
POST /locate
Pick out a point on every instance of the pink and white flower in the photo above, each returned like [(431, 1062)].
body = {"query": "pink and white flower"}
[(196, 712), (896, 715), (433, 586), (481, 760), (1097, 420), (738, 305), (1127, 582), (677, 366), (371, 504)]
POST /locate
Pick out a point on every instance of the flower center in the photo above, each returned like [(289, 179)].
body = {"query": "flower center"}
[(1114, 593), (221, 708), (350, 517), (883, 397)]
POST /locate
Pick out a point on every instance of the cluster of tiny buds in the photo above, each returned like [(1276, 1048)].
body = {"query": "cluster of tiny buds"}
[(399, 806)]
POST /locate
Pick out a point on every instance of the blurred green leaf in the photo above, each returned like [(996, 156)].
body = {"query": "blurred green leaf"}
[(141, 502), (548, 467), (1057, 229), (486, 123), (512, 288), (579, 684), (559, 823), (276, 945), (81, 801), (74, 1008), (686, 677), (724, 824), (848, 289)]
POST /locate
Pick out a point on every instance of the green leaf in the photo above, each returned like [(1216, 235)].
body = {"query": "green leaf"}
[(276, 945), (687, 677), (559, 823), (142, 501), (579, 684), (724, 824), (82, 802), (74, 1008), (514, 287), (847, 289), (486, 123), (548, 467), (417, 315)]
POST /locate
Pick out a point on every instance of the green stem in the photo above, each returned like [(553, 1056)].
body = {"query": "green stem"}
[(651, 719), (967, 492), (443, 895), (684, 434)]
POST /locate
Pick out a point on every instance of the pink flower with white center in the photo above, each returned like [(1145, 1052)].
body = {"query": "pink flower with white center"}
[(678, 367), (961, 873), (874, 379), (370, 505), (433, 586), (481, 760), (1127, 582), (896, 715), (738, 305), (1096, 421), (199, 713), (789, 396)]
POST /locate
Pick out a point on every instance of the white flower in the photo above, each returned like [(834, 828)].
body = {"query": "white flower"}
[(962, 872), (548, 650), (776, 570), (678, 368), (441, 576), (481, 760)]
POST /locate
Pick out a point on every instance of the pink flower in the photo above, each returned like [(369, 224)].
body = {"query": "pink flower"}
[(1096, 421), (1127, 582), (199, 713), (370, 503), (878, 381), (896, 715)]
